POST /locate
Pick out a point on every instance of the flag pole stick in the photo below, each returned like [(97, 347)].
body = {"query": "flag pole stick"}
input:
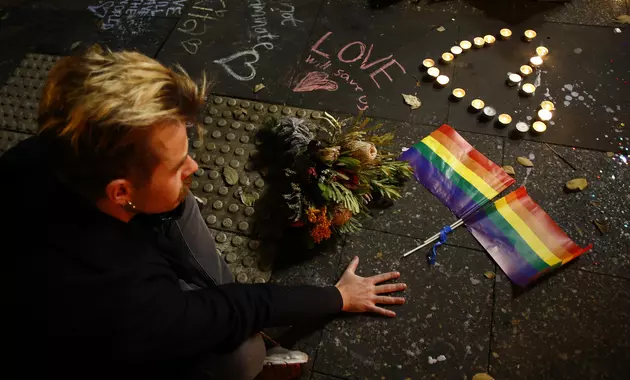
[(434, 238)]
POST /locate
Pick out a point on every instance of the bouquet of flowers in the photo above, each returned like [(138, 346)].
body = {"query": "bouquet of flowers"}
[(333, 175)]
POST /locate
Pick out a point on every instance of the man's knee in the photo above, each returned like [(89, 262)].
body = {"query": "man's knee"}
[(244, 363)]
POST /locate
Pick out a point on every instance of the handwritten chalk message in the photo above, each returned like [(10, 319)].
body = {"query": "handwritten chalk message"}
[(134, 13), (195, 22), (355, 51)]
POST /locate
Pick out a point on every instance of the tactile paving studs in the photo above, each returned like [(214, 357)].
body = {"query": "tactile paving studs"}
[(221, 237), (211, 219), (245, 256), (231, 102), (208, 188), (10, 139), (241, 278)]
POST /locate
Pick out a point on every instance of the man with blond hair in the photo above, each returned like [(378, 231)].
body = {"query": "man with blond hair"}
[(112, 270)]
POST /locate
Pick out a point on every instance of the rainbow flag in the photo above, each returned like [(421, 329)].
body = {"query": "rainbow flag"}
[(522, 238), (456, 173)]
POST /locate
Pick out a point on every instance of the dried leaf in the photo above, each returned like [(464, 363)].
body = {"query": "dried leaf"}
[(525, 162), (379, 255), (601, 226), (596, 204), (5, 16), (623, 19), (75, 45), (610, 154), (482, 376), (230, 175), (577, 184), (258, 87), (412, 101), (441, 28), (248, 199), (509, 169), (495, 355), (489, 275)]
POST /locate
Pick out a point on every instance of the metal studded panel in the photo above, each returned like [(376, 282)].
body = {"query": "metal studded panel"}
[(19, 97)]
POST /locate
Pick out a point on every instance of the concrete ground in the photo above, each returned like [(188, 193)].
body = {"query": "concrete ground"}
[(573, 324)]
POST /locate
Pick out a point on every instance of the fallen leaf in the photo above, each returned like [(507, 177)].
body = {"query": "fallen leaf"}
[(75, 45), (258, 87), (379, 255), (412, 101), (525, 162), (509, 169), (516, 322), (489, 275), (482, 376), (441, 28), (610, 154), (5, 16), (563, 356), (596, 204), (577, 184), (601, 226), (248, 199), (495, 355), (623, 19), (230, 175)]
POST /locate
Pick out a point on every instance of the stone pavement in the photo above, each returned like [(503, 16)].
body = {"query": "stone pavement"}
[(573, 324)]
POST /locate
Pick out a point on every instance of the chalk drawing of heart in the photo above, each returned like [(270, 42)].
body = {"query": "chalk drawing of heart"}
[(248, 63), (316, 80), (192, 45), (100, 11)]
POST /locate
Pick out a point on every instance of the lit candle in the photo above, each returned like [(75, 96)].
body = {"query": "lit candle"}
[(514, 79), (528, 88), (536, 61), (547, 105), (530, 35), (428, 63), (505, 119), (542, 51), (539, 126), (433, 71), (442, 80), (479, 42), (447, 57), (465, 45), (505, 33), (459, 93), (526, 70), (489, 112), (522, 127), (477, 104), (544, 115), (456, 50), (489, 39)]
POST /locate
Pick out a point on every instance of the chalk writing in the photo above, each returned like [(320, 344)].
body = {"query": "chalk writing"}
[(135, 13), (195, 22), (192, 45), (192, 26), (345, 76), (316, 80), (225, 62), (287, 13)]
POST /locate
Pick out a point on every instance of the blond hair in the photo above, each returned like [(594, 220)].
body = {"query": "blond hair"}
[(98, 110)]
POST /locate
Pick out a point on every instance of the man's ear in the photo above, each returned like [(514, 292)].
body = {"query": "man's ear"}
[(119, 192)]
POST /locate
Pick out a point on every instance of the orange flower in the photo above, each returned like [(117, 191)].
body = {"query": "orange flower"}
[(311, 214), (322, 230)]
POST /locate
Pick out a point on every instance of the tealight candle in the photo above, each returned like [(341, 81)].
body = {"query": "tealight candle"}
[(433, 71), (539, 126), (477, 104), (542, 51), (522, 127), (465, 45), (456, 50), (489, 112), (528, 88), (479, 42), (459, 93), (547, 105), (529, 35), (447, 57), (505, 119), (489, 39), (514, 79), (544, 115), (442, 80), (536, 61), (526, 70), (505, 33), (428, 63)]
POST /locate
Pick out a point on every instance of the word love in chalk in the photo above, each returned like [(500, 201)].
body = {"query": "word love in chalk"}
[(355, 51)]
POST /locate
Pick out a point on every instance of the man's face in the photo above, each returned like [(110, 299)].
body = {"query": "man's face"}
[(171, 179)]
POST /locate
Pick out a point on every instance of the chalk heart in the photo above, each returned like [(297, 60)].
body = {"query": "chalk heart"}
[(316, 80), (250, 57)]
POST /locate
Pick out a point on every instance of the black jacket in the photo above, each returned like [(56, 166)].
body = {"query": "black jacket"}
[(93, 296)]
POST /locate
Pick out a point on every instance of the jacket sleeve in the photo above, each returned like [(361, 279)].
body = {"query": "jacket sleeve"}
[(167, 322)]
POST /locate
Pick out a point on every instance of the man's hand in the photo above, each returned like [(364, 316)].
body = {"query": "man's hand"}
[(361, 294)]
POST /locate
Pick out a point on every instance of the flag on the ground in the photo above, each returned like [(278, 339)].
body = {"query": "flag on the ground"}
[(521, 237), (456, 173)]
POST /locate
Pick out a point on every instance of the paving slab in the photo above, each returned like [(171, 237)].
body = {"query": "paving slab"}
[(571, 325), (321, 376), (605, 199), (585, 78), (418, 213), (448, 313), (358, 59), (241, 44)]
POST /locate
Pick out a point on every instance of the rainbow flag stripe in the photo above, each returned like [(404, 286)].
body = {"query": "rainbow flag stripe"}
[(522, 238), (456, 173)]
